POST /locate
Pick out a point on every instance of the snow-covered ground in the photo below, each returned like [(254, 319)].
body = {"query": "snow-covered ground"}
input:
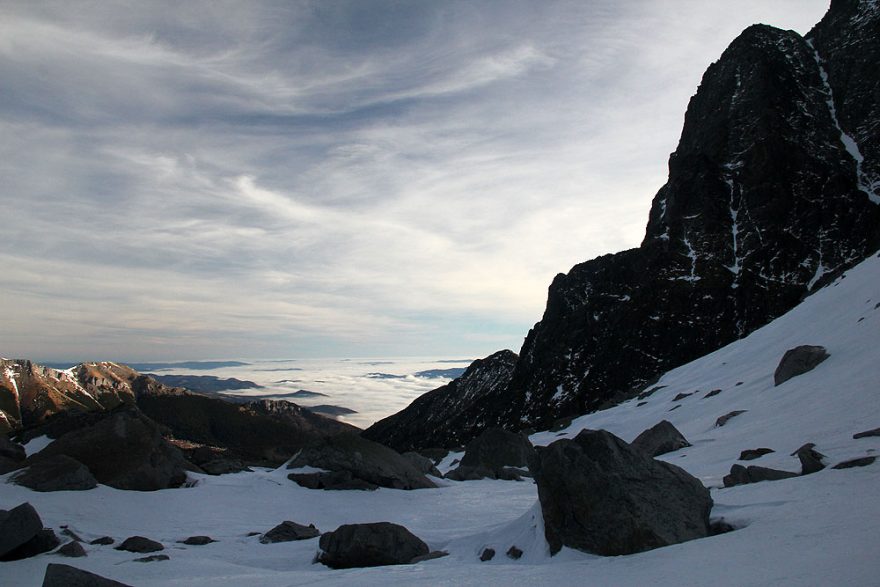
[(815, 530)]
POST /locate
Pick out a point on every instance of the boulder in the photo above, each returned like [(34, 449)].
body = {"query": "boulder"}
[(660, 439), (72, 549), (492, 454), (332, 481), (140, 544), (124, 450), (514, 553), (487, 554), (58, 575), (18, 526), (7, 465), (197, 541), (56, 473), (867, 433), (722, 420), (600, 495), (798, 361), (754, 453), (740, 475), (422, 463), (152, 558), (858, 462), (43, 541), (370, 545), (102, 541), (288, 531), (363, 459), (11, 450), (811, 460)]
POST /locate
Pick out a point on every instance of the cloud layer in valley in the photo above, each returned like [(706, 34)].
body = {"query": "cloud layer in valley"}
[(234, 179)]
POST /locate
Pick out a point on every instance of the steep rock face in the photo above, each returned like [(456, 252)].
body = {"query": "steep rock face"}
[(449, 415), (771, 192)]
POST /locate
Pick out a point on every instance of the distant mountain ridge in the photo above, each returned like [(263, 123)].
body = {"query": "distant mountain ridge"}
[(772, 191)]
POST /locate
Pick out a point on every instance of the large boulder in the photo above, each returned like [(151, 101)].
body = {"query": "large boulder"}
[(56, 473), (370, 545), (140, 544), (660, 439), (17, 527), (363, 459), (124, 450), (492, 454), (600, 495), (43, 541), (58, 575), (798, 361)]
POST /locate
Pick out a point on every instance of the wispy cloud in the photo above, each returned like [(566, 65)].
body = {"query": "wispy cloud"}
[(314, 178)]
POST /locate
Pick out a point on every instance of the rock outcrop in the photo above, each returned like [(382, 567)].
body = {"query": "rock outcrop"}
[(444, 417), (772, 192), (797, 361), (600, 495)]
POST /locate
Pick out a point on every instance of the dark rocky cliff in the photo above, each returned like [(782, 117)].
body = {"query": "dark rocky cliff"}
[(771, 191)]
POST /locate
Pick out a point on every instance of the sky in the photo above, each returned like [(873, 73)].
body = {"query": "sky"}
[(329, 178)]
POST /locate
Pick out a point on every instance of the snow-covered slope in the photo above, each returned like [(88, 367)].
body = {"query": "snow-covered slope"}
[(814, 530)]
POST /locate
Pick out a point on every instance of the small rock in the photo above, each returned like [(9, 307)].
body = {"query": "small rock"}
[(722, 420), (140, 544), (681, 396), (719, 526), (798, 361), (487, 554), (71, 534), (673, 408), (660, 439), (288, 531), (754, 453), (514, 553), (859, 462), (713, 393), (740, 475), (152, 558), (811, 461), (72, 549), (58, 575), (867, 433), (103, 541), (198, 540)]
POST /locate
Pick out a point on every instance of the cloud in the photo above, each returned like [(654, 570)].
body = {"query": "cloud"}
[(306, 178)]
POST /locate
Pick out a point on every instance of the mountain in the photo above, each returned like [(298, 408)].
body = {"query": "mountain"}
[(36, 400), (772, 191)]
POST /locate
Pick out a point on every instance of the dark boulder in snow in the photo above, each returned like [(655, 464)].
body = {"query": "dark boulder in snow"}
[(56, 473), (72, 549), (798, 361), (58, 575), (332, 481), (859, 462), (740, 475), (197, 541), (660, 439), (124, 450), (722, 420), (598, 494), (152, 558), (422, 463), (514, 553), (18, 526), (363, 459), (288, 531), (487, 554), (370, 545), (102, 541), (11, 450), (43, 541), (867, 433), (492, 454), (754, 453), (140, 544), (811, 460)]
